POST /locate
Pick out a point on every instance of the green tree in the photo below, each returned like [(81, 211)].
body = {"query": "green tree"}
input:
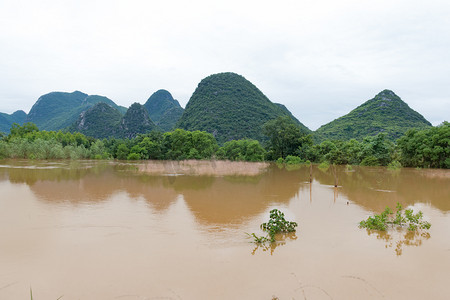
[(429, 148), (21, 130), (122, 151), (285, 137), (246, 150)]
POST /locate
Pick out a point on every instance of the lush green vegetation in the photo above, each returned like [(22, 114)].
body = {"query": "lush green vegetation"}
[(413, 221), (230, 107), (386, 113), (242, 150), (28, 142), (287, 144), (99, 121), (6, 120), (429, 148), (276, 224), (285, 137), (164, 110), (135, 121), (104, 121), (58, 110)]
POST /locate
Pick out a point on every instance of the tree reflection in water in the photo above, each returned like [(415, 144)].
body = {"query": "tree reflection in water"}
[(270, 247), (400, 238)]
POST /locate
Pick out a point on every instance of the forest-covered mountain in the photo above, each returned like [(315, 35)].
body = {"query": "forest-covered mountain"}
[(386, 112), (58, 110), (7, 120), (136, 120), (230, 107), (103, 121), (100, 121), (225, 104), (164, 110)]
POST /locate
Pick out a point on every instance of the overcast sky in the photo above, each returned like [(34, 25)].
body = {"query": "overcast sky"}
[(321, 58)]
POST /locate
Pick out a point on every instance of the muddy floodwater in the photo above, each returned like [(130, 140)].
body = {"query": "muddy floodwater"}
[(177, 230)]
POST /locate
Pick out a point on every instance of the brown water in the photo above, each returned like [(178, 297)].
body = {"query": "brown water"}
[(101, 230)]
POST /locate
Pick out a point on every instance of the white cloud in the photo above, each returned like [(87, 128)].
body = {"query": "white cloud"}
[(319, 58)]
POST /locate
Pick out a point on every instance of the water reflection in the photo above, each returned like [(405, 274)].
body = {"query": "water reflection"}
[(212, 200), (270, 247), (400, 238), (167, 232), (374, 188)]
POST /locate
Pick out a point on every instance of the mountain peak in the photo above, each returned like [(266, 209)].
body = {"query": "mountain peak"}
[(386, 93), (230, 107), (58, 110), (163, 109), (386, 112)]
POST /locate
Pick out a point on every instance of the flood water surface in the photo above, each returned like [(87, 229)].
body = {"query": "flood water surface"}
[(174, 230)]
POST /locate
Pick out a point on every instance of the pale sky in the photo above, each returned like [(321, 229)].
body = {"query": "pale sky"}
[(320, 58)]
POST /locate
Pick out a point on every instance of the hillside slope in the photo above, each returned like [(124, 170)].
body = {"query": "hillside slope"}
[(164, 111), (386, 112), (99, 121), (230, 107), (58, 110), (7, 120)]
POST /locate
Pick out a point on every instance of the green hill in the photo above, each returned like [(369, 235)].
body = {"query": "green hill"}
[(99, 121), (287, 111), (384, 113), (163, 109), (7, 120), (103, 121), (135, 121), (230, 107), (58, 110)]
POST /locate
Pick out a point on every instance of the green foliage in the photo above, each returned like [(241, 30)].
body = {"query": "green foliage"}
[(258, 239), (163, 110), (182, 144), (99, 121), (386, 219), (135, 121), (428, 148), (277, 224), (133, 156), (394, 165), (292, 160), (241, 150), (58, 110), (27, 141), (6, 120), (20, 131), (122, 152), (230, 107), (385, 113), (324, 165), (285, 137)]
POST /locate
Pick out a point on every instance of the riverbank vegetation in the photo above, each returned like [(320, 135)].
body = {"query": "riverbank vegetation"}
[(286, 143)]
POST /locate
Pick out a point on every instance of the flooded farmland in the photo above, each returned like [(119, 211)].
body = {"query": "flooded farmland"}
[(177, 230)]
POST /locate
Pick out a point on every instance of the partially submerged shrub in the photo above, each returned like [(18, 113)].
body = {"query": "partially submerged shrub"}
[(324, 166), (277, 224), (293, 160), (394, 165), (386, 218)]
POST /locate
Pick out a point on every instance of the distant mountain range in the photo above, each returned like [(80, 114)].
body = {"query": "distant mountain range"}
[(58, 110), (6, 120), (225, 104)]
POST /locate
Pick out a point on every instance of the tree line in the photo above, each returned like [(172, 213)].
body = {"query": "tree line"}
[(286, 143)]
